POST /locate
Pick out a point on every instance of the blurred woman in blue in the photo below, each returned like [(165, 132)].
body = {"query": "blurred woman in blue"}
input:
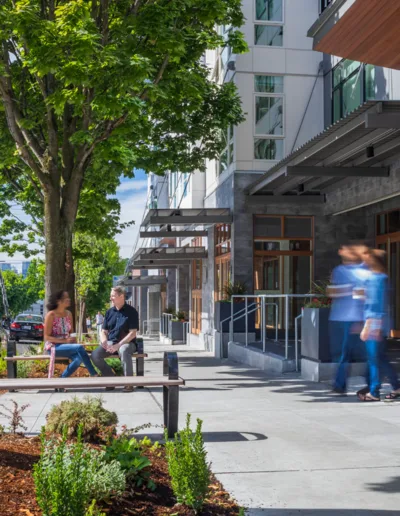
[(376, 327)]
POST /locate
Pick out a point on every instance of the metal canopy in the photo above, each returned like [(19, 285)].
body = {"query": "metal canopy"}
[(152, 266), (183, 217), (173, 234), (176, 254), (336, 154), (145, 281)]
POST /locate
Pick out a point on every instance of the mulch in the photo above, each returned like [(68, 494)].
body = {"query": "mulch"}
[(18, 454)]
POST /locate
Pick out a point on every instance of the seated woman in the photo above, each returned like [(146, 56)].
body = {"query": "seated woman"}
[(58, 326)]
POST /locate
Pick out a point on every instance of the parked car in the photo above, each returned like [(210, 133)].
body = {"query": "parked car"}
[(28, 327)]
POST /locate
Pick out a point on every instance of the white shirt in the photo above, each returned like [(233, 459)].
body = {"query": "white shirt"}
[(99, 319)]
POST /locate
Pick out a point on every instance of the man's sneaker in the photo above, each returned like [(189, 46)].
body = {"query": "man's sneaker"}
[(110, 388), (128, 388)]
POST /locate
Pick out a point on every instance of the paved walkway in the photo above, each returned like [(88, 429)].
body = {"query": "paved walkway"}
[(281, 446)]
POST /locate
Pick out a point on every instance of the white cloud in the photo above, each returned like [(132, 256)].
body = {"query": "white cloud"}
[(130, 186)]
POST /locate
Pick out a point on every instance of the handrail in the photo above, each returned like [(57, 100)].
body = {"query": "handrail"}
[(296, 340), (263, 297)]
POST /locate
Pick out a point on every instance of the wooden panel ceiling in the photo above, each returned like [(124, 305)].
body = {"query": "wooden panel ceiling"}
[(368, 32)]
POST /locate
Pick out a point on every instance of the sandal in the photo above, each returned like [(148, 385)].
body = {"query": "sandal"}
[(368, 397), (362, 392), (392, 396)]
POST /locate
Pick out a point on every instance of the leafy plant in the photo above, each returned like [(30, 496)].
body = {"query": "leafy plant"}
[(232, 289), (70, 477), (181, 316), (2, 430), (116, 364), (98, 424), (187, 465), (3, 363), (128, 452), (322, 300), (24, 368), (170, 311)]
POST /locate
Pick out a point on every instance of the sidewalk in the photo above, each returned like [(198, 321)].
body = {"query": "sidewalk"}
[(280, 446)]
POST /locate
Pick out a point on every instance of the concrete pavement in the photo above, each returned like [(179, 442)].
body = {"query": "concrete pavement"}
[(281, 446)]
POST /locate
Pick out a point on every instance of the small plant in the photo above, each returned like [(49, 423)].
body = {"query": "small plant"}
[(187, 465), (233, 289), (3, 363), (116, 365), (322, 299), (24, 368), (98, 424), (128, 452), (2, 430), (69, 478), (14, 415), (169, 311), (181, 316)]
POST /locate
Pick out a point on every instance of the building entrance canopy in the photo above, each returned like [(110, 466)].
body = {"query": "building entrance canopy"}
[(163, 254), (144, 281), (356, 146), (182, 222)]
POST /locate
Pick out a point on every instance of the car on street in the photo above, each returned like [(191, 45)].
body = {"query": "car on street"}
[(27, 327)]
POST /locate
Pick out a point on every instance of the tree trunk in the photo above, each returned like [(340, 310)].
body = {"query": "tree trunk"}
[(59, 273)]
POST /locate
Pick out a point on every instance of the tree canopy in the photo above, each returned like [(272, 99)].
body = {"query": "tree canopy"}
[(91, 89)]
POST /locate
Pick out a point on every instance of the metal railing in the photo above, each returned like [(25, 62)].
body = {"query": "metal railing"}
[(263, 297), (165, 324)]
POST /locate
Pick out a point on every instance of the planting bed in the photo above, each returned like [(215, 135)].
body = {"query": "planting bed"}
[(17, 496)]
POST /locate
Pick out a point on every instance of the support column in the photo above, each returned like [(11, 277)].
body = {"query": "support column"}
[(153, 309), (171, 288), (182, 288)]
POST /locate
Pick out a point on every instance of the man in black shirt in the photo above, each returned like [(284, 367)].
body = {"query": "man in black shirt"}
[(120, 326)]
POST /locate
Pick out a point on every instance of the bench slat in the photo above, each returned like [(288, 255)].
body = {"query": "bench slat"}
[(91, 382), (47, 357)]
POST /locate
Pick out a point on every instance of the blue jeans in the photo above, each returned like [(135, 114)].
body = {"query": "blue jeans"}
[(378, 366), (78, 355), (341, 336)]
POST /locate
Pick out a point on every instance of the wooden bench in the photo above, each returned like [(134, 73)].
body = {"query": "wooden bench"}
[(12, 358), (170, 382)]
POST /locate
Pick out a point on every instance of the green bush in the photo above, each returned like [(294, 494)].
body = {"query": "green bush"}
[(187, 465), (3, 363), (128, 452), (69, 478), (98, 424), (116, 364)]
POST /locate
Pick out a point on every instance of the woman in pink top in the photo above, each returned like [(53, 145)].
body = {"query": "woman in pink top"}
[(58, 326)]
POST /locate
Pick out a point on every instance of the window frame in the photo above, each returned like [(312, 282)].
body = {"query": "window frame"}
[(269, 136), (230, 141), (339, 87), (269, 23)]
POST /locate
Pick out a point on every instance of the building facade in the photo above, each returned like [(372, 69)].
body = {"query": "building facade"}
[(315, 164)]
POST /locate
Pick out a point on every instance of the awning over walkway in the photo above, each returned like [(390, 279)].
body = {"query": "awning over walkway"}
[(361, 30), (145, 281), (161, 254), (187, 217), (356, 146)]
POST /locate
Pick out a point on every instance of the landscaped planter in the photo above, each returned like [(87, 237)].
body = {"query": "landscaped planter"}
[(315, 334), (223, 311), (176, 330)]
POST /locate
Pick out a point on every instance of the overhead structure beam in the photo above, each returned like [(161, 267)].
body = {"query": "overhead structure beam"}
[(289, 199), (179, 220), (145, 281), (173, 234), (146, 266), (310, 171), (382, 120)]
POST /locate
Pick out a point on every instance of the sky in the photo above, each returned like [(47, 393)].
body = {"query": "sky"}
[(132, 195)]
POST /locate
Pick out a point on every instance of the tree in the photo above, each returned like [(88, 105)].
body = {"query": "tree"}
[(91, 89), (97, 260), (23, 292)]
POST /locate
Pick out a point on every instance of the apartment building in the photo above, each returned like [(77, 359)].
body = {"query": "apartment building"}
[(314, 165)]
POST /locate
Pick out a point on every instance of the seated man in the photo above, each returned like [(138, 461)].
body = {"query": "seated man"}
[(120, 325)]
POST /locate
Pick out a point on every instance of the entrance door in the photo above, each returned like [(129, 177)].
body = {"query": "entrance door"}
[(388, 239)]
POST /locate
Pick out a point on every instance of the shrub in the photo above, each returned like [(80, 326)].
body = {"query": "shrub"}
[(128, 452), (116, 364), (14, 416), (69, 478), (98, 424), (187, 465), (3, 363), (232, 289)]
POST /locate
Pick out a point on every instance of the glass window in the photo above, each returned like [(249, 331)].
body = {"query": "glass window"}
[(370, 84), (268, 83), (268, 149), (351, 94), (268, 35), (267, 227), (269, 10), (298, 227), (269, 115), (381, 224), (394, 221)]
